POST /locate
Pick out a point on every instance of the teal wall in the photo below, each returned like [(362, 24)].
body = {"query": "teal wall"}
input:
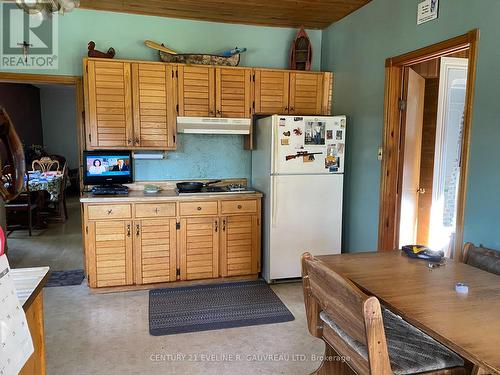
[(355, 49), (198, 156)]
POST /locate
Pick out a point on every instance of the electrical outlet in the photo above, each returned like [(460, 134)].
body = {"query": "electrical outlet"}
[(380, 153)]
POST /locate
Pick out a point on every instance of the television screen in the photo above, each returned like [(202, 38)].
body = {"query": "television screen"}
[(107, 167)]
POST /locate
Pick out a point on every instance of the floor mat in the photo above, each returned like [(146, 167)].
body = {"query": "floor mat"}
[(65, 278), (215, 306)]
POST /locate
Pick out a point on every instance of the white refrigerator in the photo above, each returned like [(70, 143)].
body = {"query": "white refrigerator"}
[(298, 163)]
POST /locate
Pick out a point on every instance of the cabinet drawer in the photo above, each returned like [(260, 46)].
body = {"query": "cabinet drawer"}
[(115, 211), (198, 208), (154, 210), (234, 207)]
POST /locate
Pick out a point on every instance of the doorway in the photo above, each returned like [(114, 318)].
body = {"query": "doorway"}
[(47, 114), (428, 111)]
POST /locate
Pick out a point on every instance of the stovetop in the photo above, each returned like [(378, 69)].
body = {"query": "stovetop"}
[(228, 189)]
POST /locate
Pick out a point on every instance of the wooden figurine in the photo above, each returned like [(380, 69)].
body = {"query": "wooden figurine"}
[(95, 53), (301, 51)]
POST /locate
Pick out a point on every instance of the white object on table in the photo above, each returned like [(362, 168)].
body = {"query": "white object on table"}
[(16, 345)]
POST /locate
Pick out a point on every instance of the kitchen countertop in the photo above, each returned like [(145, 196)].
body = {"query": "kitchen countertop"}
[(165, 195), (28, 283)]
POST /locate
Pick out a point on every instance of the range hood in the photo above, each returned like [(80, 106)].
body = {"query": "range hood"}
[(213, 125)]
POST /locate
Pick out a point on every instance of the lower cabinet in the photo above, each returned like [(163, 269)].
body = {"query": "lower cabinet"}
[(240, 245), (146, 243), (110, 252), (199, 248), (155, 246)]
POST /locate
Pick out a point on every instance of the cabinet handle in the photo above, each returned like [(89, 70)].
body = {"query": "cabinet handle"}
[(129, 141), (137, 140), (157, 210), (128, 230), (219, 112), (286, 109), (198, 208), (240, 207), (292, 109), (224, 225), (110, 211), (137, 230), (216, 225)]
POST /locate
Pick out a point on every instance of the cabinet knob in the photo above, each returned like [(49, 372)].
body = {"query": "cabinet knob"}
[(198, 208), (292, 109), (157, 210), (110, 211), (239, 207), (129, 141), (137, 230), (137, 140), (286, 109), (128, 230)]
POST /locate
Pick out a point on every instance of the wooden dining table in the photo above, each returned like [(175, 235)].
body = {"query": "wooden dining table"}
[(468, 324)]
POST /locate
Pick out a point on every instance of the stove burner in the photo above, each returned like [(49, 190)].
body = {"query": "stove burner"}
[(236, 187)]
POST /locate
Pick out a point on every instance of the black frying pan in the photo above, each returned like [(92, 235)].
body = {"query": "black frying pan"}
[(194, 186)]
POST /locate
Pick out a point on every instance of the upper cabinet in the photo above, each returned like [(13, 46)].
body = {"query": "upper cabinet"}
[(206, 91), (271, 91), (154, 102), (233, 94), (294, 93), (109, 121), (134, 105), (306, 93), (196, 87)]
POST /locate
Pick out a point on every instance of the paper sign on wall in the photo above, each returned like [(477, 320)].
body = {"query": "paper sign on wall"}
[(427, 11), (16, 345)]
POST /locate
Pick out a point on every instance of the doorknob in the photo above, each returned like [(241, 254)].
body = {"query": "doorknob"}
[(421, 190)]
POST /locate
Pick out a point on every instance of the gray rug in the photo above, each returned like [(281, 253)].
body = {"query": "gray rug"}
[(216, 306), (65, 278)]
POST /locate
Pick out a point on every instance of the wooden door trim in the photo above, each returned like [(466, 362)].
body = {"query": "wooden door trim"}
[(388, 226), (75, 81)]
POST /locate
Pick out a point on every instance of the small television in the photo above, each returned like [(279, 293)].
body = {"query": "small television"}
[(107, 167)]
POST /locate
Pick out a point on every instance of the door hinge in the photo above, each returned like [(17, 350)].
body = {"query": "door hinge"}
[(177, 226), (402, 104), (178, 272), (172, 74)]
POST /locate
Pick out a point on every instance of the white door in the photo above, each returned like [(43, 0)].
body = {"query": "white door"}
[(306, 215), (322, 139), (412, 152), (449, 125)]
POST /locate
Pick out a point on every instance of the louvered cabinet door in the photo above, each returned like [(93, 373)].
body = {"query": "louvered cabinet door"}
[(196, 91), (154, 100), (271, 91), (233, 92), (109, 105), (327, 93), (199, 248), (155, 244), (306, 93), (240, 245), (110, 248)]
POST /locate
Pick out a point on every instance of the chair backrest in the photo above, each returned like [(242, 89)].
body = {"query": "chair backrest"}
[(355, 313), (45, 164), (481, 257)]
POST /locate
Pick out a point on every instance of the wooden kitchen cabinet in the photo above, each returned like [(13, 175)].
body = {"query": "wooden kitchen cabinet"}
[(199, 255), (154, 106), (271, 91), (233, 93), (196, 90), (109, 104), (155, 250), (240, 245), (109, 253), (306, 93)]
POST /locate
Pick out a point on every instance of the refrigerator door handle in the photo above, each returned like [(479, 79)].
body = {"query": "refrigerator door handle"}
[(274, 202)]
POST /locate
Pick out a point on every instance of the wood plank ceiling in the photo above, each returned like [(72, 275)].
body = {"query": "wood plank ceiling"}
[(313, 14)]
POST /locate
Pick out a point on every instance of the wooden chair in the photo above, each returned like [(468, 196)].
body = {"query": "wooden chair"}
[(481, 257), (57, 210), (360, 336), (23, 203), (45, 164)]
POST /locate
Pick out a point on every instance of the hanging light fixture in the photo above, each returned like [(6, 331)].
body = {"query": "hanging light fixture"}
[(47, 7)]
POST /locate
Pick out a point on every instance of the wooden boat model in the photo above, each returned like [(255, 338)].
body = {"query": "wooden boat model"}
[(301, 52), (228, 58)]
